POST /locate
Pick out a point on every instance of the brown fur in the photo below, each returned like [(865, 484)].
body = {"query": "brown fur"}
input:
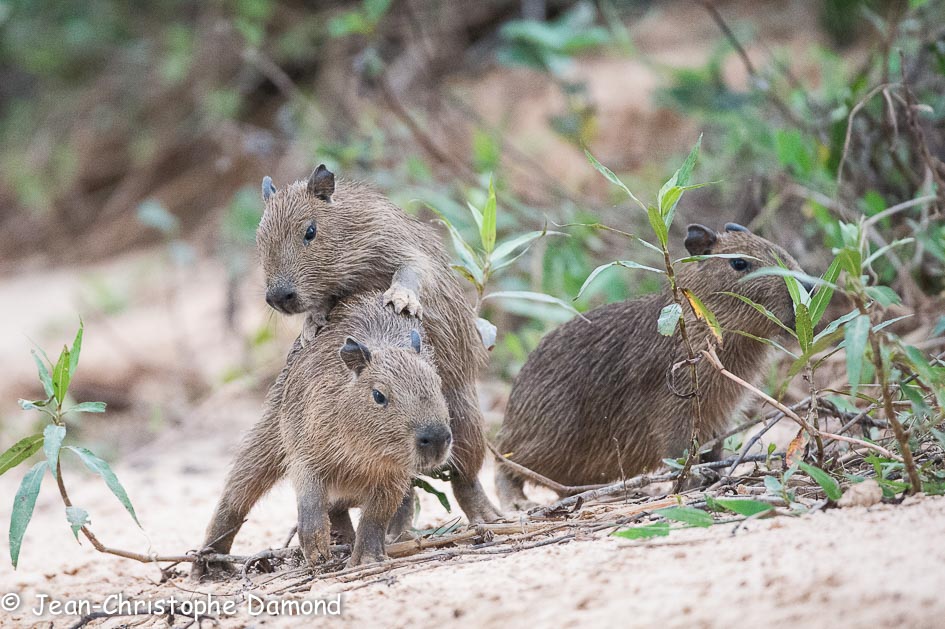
[(365, 244), (596, 399), (323, 429)]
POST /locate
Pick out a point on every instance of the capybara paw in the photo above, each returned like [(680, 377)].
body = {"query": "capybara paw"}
[(201, 570), (314, 322), (365, 558), (403, 299)]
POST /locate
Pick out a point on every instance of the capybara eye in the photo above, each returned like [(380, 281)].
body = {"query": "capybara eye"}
[(379, 397), (739, 264), (310, 233)]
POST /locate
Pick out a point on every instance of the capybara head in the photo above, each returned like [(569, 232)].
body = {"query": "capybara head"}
[(399, 402), (300, 249), (711, 277)]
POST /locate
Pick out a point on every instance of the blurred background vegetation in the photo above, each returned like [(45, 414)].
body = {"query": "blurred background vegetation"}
[(133, 138)]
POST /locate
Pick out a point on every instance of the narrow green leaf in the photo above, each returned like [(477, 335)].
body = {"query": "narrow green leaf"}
[(100, 467), (60, 376), (77, 518), (672, 190), (834, 325), (883, 295), (530, 296), (821, 299), (773, 485), (44, 376), (767, 313), (763, 341), (476, 214), (507, 248), (829, 484), (798, 275), (430, 489), (474, 275), (487, 231), (31, 405), (687, 515), (669, 318), (659, 227), (855, 337), (707, 256), (52, 442), (20, 451), (76, 348), (612, 178), (466, 253), (886, 249), (657, 529), (741, 506), (88, 407), (685, 171), (627, 264), (805, 331), (23, 505)]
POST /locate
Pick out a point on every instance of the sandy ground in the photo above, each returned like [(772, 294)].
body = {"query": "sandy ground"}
[(879, 566)]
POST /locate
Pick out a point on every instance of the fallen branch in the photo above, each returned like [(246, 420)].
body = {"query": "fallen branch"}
[(535, 477)]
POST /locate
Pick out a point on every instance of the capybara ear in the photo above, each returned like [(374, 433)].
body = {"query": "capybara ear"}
[(415, 340), (267, 188), (355, 355), (735, 227), (321, 183), (700, 239)]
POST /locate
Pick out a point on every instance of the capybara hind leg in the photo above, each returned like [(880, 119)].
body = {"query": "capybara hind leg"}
[(342, 530), (258, 465), (511, 490), (469, 447), (402, 519)]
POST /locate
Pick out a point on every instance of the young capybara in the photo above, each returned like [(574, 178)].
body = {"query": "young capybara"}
[(355, 414), (599, 399)]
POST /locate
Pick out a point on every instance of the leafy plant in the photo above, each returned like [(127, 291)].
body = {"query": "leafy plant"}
[(55, 379), (478, 264)]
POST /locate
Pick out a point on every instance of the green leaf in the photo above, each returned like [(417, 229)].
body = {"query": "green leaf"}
[(505, 249), (430, 489), (88, 407), (20, 451), (466, 253), (821, 299), (100, 467), (707, 256), (669, 318), (773, 485), (627, 264), (829, 484), (687, 515), (685, 171), (530, 296), (487, 231), (883, 295), (44, 376), (763, 341), (798, 275), (767, 313), (659, 227), (805, 331), (657, 529), (886, 249), (60, 376), (476, 214), (23, 505), (52, 442), (77, 518), (855, 337), (32, 405), (76, 348), (741, 506), (612, 178)]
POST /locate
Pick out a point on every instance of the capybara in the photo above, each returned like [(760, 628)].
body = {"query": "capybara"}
[(599, 399), (354, 415)]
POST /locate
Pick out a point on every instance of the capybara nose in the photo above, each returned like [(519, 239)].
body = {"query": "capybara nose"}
[(433, 440), (283, 297)]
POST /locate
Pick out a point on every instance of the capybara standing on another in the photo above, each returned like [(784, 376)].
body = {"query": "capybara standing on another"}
[(320, 242), (353, 417), (597, 399)]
